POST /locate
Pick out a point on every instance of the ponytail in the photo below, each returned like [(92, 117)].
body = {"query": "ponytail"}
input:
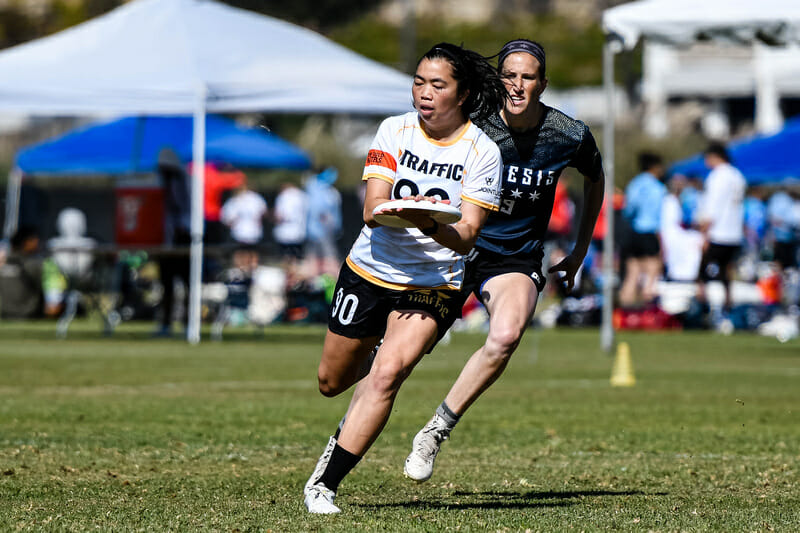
[(473, 73)]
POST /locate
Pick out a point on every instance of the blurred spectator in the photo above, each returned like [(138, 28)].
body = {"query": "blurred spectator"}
[(783, 214), (755, 220), (559, 232), (324, 222), (690, 200), (755, 228), (219, 178), (244, 214), (643, 197), (290, 218), (21, 294), (71, 251), (682, 248), (174, 263), (783, 229), (721, 220), (559, 229), (594, 259)]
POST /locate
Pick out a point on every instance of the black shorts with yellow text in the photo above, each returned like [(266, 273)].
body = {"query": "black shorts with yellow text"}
[(360, 308)]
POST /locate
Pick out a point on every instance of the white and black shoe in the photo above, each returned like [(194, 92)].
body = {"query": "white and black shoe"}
[(322, 464), (319, 500), (425, 448)]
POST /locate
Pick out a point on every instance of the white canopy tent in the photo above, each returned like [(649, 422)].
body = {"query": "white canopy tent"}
[(679, 22), (193, 56), (768, 73)]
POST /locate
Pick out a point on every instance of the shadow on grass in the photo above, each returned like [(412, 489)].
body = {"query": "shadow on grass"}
[(508, 500)]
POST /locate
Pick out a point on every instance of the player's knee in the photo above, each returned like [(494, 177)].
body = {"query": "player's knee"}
[(329, 385), (502, 342), (387, 377)]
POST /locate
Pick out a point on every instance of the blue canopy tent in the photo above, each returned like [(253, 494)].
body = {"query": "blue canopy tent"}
[(131, 145), (763, 159)]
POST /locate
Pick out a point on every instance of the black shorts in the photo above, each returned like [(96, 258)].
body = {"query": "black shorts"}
[(360, 308), (643, 245), (481, 265), (715, 262), (785, 253)]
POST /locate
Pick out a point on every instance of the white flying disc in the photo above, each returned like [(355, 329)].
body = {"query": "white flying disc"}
[(441, 213)]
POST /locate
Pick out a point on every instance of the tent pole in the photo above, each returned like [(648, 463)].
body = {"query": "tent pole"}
[(12, 203), (196, 252), (769, 118), (607, 327)]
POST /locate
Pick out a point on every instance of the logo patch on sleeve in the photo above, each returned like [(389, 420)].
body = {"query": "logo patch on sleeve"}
[(381, 159)]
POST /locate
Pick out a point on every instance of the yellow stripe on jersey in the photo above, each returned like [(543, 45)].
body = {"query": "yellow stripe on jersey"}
[(474, 146), (446, 143), (389, 285), (387, 179), (480, 203)]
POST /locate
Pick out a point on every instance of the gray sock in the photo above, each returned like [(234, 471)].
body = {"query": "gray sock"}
[(448, 415)]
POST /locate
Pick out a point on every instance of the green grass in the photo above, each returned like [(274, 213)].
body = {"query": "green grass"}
[(132, 434)]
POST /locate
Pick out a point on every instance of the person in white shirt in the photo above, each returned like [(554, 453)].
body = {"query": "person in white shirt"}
[(682, 247), (403, 284), (721, 220), (244, 214), (290, 219)]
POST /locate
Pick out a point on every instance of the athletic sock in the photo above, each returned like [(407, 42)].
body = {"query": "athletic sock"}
[(341, 463), (448, 415)]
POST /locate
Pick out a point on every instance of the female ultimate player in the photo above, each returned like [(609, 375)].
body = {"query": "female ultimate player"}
[(504, 270), (400, 283)]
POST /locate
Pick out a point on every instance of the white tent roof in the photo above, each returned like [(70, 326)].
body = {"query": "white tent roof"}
[(698, 69), (192, 56), (154, 56), (688, 21)]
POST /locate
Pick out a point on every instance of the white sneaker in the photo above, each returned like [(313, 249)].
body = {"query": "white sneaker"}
[(322, 463), (424, 448), (319, 500)]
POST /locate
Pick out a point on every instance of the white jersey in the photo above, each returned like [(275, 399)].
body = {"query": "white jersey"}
[(467, 169), (244, 213), (723, 205), (290, 210)]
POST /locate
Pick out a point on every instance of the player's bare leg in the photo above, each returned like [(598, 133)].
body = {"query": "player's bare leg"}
[(628, 292), (408, 337), (511, 300), (340, 365)]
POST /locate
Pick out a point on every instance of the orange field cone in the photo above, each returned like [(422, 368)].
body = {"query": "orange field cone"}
[(622, 372)]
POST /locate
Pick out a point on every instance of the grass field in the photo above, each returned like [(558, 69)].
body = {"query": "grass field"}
[(132, 434)]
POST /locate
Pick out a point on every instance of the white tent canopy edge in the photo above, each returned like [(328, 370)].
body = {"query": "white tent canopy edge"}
[(193, 57)]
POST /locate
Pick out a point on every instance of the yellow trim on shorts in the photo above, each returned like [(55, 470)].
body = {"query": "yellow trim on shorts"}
[(389, 285)]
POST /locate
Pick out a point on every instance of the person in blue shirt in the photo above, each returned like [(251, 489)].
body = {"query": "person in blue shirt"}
[(324, 222), (783, 226), (690, 200), (755, 221), (643, 264)]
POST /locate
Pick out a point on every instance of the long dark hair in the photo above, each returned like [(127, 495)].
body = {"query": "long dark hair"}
[(472, 73)]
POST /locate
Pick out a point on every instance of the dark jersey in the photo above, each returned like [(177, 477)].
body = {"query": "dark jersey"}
[(532, 163)]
